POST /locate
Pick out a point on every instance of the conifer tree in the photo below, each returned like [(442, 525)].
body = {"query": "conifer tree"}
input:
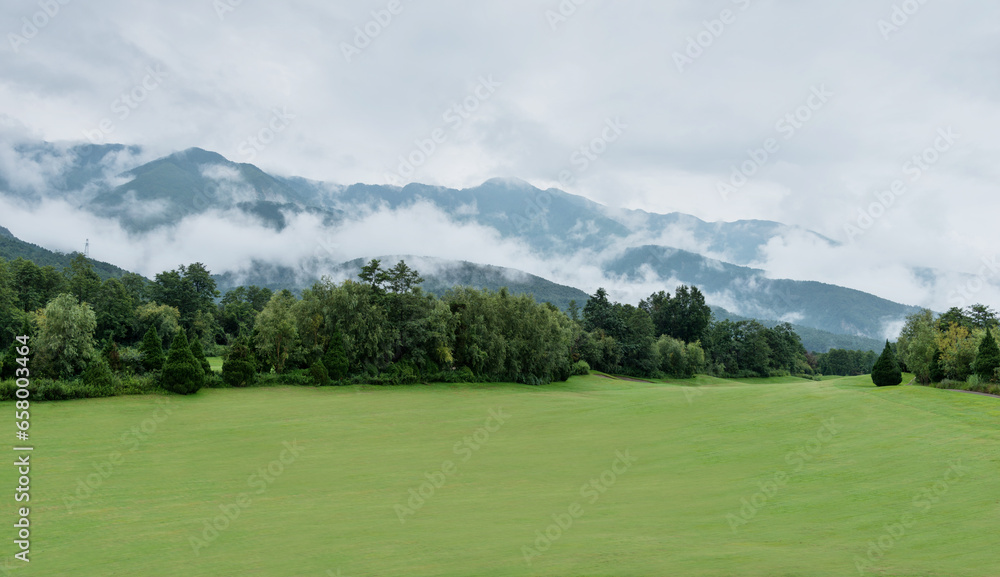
[(988, 359), (182, 373), (238, 368), (152, 351), (199, 354), (886, 371)]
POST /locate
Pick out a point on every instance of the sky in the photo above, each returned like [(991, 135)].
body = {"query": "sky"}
[(871, 122)]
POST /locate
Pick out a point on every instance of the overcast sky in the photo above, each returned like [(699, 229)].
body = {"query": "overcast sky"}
[(665, 98)]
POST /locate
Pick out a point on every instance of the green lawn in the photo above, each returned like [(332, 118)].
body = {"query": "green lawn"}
[(216, 363), (703, 450)]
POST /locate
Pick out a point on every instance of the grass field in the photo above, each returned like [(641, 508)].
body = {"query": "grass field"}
[(769, 479), (216, 363)]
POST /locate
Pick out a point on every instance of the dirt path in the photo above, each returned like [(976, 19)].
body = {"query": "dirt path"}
[(975, 393)]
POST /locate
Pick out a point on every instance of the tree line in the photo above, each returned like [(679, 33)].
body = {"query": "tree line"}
[(380, 328), (958, 346)]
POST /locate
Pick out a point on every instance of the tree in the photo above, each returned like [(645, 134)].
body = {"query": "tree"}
[(954, 316), (189, 289), (886, 371), (402, 279), (319, 374), (276, 332), (958, 351), (182, 373), (112, 355), (983, 317), (165, 319), (83, 281), (151, 350), (65, 342), (988, 359), (239, 307), (199, 354), (573, 310), (335, 360), (917, 345), (936, 371), (116, 311), (599, 313), (99, 377), (8, 362), (238, 366), (8, 304), (372, 275)]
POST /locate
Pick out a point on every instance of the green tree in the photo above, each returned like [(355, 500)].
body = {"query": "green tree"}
[(112, 355), (65, 342), (335, 359), (151, 350), (199, 355), (276, 331), (917, 345), (10, 312), (573, 310), (116, 311), (988, 359), (374, 276), (402, 279), (83, 281), (165, 319), (8, 362), (238, 366), (182, 373), (319, 374), (599, 313), (239, 308), (983, 317), (958, 351), (886, 371), (936, 370), (99, 377), (189, 289), (954, 316)]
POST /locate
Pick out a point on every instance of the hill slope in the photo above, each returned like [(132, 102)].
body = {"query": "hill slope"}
[(12, 248)]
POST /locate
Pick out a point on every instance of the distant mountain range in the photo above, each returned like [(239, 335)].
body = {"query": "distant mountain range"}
[(627, 246)]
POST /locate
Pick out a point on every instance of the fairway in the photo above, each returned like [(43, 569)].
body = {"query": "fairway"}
[(769, 479)]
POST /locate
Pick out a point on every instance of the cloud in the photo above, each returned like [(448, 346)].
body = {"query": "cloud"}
[(223, 76)]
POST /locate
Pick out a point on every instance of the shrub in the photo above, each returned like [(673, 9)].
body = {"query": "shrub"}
[(152, 351), (238, 369), (199, 355), (98, 376), (886, 371), (321, 378), (581, 368), (295, 378), (132, 361), (182, 373), (215, 381)]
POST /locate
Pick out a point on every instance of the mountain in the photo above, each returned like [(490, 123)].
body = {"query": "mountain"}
[(811, 304), (813, 340), (12, 248), (439, 275), (165, 191), (552, 226)]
